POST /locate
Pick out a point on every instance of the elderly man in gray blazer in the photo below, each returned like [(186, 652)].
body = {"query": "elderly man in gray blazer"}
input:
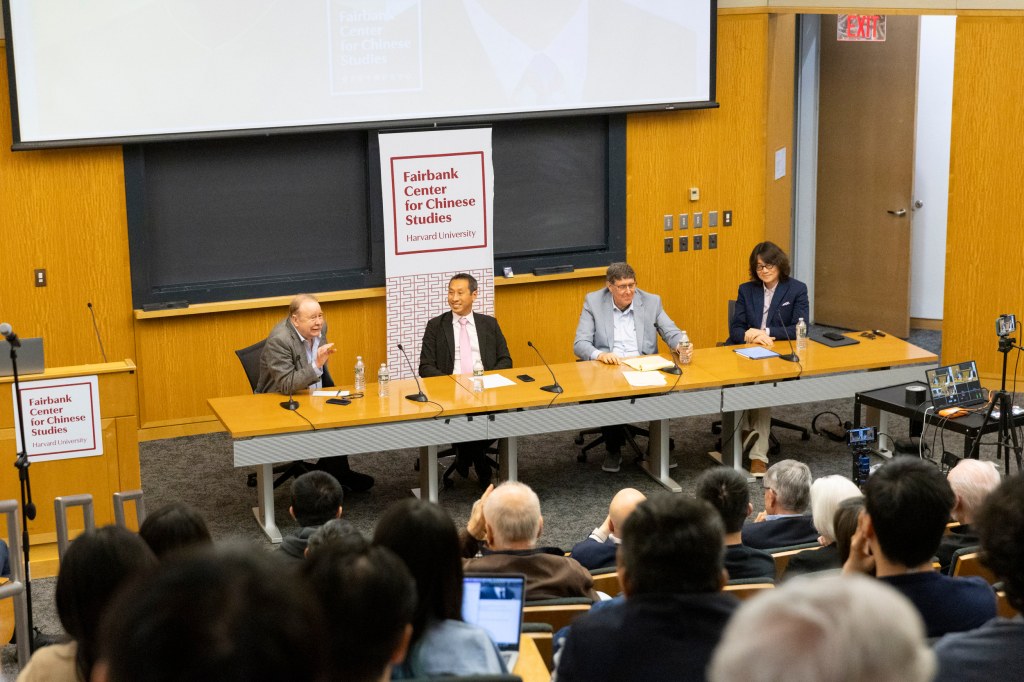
[(621, 321)]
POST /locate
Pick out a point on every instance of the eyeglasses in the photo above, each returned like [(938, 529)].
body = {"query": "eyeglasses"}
[(760, 267), (625, 287)]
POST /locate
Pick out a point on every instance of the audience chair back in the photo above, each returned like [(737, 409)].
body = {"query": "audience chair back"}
[(782, 556), (1003, 606), (60, 513), (967, 562), (607, 580), (13, 591), (250, 359), (140, 508), (557, 613), (744, 591)]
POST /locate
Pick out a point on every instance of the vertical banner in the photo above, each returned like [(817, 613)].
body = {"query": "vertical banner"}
[(62, 418), (437, 192)]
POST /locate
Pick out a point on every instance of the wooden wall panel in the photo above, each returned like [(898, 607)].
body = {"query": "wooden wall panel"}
[(63, 210), (984, 239), (781, 93), (721, 151)]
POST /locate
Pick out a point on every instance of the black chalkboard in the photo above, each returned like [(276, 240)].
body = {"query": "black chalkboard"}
[(227, 219)]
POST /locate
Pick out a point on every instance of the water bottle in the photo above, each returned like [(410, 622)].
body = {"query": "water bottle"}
[(478, 377), (360, 375), (684, 342), (383, 380), (801, 334)]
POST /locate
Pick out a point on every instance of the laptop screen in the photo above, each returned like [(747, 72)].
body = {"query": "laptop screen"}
[(955, 385), (495, 603)]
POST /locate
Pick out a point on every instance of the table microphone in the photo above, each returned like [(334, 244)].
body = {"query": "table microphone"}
[(420, 396), (555, 387), (788, 357), (290, 404)]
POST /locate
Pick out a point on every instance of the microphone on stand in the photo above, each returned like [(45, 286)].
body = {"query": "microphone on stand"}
[(788, 357), (96, 328), (419, 396), (291, 403), (7, 332), (555, 387)]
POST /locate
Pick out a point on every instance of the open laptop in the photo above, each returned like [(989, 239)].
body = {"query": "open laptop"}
[(495, 602), (30, 357), (955, 386)]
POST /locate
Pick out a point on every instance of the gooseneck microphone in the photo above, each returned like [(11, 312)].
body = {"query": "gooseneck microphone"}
[(420, 396), (788, 357), (552, 388), (96, 329), (291, 403), (7, 332)]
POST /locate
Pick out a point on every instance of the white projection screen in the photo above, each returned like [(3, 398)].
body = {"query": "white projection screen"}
[(115, 71)]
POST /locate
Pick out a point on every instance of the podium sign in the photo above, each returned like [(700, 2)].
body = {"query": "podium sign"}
[(62, 418)]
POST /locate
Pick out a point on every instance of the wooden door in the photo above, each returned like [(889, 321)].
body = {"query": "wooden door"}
[(867, 98)]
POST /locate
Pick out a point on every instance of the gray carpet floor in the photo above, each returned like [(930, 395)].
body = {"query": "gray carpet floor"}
[(574, 496)]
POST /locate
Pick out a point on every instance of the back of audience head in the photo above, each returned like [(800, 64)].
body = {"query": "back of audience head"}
[(425, 538), (672, 544), (826, 629), (788, 483), (316, 498), (512, 514), (174, 527), (908, 502), (97, 563), (844, 524), (335, 532), (621, 506), (726, 490), (369, 598), (219, 613), (1000, 525), (827, 493), (971, 480)]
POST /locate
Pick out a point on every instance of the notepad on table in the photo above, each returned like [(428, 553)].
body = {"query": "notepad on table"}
[(647, 363), (757, 353), (642, 379)]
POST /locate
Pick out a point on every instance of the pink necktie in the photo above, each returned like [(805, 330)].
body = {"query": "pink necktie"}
[(465, 349)]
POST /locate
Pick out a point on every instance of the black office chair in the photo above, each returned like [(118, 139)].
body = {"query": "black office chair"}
[(250, 359), (632, 433), (774, 446), (446, 477)]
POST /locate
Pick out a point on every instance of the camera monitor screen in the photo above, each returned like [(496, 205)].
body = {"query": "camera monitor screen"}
[(955, 386)]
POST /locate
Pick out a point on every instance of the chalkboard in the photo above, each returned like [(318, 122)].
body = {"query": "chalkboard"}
[(228, 219)]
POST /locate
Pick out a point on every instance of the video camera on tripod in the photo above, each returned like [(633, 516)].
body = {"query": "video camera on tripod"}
[(860, 441)]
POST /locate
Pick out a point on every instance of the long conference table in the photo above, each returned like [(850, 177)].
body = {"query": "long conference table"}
[(717, 381)]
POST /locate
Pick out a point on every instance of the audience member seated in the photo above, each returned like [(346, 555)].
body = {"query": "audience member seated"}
[(219, 613), (369, 599), (316, 499), (666, 628), (906, 506), (507, 520), (336, 532), (425, 538), (971, 480), (994, 651), (598, 550), (826, 495), (829, 629), (783, 523), (726, 489), (845, 524), (174, 527), (95, 566)]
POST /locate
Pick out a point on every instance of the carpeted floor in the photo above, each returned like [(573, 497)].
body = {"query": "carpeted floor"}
[(574, 496)]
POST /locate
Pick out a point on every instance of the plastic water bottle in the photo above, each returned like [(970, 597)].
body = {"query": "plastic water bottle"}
[(383, 380), (478, 377), (684, 342), (801, 334), (360, 375)]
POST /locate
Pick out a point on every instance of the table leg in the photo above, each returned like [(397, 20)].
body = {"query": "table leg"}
[(732, 441), (508, 463), (885, 444), (656, 464), (264, 509), (428, 473)]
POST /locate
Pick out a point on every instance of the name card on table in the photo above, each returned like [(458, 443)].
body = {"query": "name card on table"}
[(62, 418)]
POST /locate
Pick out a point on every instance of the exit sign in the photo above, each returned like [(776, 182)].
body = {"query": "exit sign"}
[(861, 28)]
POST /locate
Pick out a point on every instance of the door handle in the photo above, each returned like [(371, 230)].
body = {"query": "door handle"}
[(898, 213)]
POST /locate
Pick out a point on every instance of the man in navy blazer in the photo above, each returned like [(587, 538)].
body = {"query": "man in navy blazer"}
[(621, 321), (446, 351), (767, 309), (783, 523), (599, 550)]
